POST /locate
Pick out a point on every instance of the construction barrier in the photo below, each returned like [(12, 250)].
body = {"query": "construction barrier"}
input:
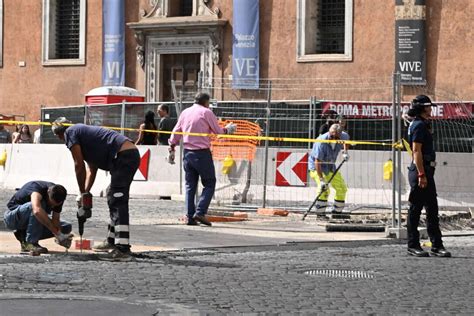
[(53, 162)]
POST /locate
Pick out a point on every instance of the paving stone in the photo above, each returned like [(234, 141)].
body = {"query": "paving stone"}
[(260, 280)]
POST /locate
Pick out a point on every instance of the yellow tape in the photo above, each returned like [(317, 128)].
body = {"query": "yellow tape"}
[(407, 147), (223, 136)]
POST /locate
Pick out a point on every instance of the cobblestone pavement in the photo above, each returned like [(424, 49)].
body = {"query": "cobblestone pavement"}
[(363, 277), (257, 279)]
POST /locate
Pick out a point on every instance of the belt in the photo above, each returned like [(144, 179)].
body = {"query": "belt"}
[(197, 150)]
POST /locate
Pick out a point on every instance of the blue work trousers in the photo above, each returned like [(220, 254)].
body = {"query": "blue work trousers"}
[(22, 218), (199, 163)]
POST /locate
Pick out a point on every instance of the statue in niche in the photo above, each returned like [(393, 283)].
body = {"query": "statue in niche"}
[(215, 55), (140, 49)]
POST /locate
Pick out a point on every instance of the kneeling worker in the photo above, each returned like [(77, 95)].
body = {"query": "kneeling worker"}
[(321, 165), (108, 150), (28, 216)]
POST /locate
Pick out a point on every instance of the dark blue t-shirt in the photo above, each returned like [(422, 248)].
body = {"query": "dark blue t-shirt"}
[(99, 145), (419, 132), (23, 195)]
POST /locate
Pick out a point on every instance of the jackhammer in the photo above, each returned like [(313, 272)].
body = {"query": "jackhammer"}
[(84, 212)]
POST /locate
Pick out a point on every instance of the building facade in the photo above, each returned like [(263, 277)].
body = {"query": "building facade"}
[(190, 42), (52, 53)]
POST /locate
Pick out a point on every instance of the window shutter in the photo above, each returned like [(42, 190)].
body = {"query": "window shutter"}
[(331, 27), (67, 29)]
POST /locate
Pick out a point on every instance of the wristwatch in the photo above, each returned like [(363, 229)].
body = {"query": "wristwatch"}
[(421, 175)]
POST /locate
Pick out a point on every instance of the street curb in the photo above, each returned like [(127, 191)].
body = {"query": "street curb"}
[(218, 219), (354, 228), (272, 212), (228, 214)]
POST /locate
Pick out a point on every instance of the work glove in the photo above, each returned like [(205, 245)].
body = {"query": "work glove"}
[(64, 240), (231, 128), (345, 155), (323, 185), (84, 198), (171, 156)]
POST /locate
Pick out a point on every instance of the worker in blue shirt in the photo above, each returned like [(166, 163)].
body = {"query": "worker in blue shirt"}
[(421, 179), (321, 165), (107, 150)]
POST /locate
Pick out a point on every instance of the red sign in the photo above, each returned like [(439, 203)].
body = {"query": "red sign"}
[(142, 172), (444, 110), (291, 169), (7, 118)]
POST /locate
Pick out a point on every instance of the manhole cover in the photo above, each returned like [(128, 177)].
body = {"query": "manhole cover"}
[(346, 274)]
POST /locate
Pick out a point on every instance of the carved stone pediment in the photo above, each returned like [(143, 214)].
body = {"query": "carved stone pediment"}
[(179, 27)]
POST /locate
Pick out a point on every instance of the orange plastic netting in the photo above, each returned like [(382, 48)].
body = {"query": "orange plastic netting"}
[(238, 149)]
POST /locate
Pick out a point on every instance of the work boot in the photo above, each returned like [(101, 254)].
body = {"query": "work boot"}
[(104, 246), (335, 210), (33, 248), (202, 219), (117, 255), (24, 246), (192, 222), (440, 252), (417, 252), (320, 211), (40, 248), (20, 235)]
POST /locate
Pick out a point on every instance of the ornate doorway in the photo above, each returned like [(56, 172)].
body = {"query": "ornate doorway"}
[(183, 69)]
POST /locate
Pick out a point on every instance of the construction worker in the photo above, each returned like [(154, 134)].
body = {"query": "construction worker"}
[(107, 150), (421, 179), (28, 216), (321, 165), (197, 160)]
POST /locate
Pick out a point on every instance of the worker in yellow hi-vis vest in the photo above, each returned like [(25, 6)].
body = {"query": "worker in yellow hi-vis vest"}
[(321, 166)]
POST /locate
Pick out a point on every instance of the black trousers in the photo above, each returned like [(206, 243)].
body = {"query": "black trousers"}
[(122, 172), (418, 199)]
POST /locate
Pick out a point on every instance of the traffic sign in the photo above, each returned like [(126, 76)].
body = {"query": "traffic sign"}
[(291, 169), (142, 172)]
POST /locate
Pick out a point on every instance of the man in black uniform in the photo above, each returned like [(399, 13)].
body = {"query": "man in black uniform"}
[(28, 216), (331, 118), (421, 179), (107, 150), (166, 124)]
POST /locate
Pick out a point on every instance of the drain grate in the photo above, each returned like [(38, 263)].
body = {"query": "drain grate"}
[(346, 274)]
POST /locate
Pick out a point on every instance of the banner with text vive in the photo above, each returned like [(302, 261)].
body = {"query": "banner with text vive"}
[(410, 46), (113, 42), (245, 45)]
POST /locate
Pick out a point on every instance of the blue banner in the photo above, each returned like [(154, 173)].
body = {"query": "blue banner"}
[(245, 45), (113, 45)]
